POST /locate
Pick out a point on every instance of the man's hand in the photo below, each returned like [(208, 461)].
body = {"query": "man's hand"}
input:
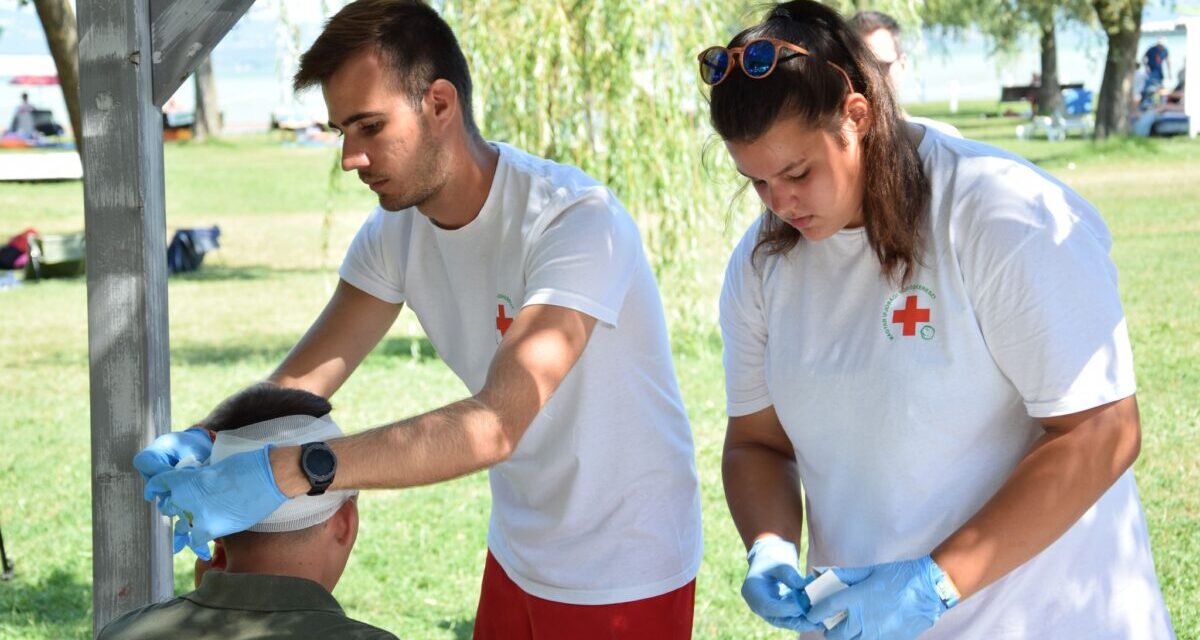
[(897, 600), (216, 500), (774, 588), (169, 449)]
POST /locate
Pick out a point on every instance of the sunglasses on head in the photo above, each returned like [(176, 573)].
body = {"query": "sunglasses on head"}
[(758, 59)]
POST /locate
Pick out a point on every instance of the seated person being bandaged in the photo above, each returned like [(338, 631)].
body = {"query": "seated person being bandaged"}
[(274, 580)]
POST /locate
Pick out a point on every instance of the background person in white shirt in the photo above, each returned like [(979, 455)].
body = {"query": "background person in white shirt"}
[(924, 332), (530, 280), (884, 37), (23, 124)]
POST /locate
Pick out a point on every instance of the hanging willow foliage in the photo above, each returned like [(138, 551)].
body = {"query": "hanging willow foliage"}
[(611, 86)]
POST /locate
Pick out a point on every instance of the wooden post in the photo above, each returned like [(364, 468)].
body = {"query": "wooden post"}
[(133, 55), (127, 301)]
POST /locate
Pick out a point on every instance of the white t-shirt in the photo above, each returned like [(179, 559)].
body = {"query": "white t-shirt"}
[(600, 501), (930, 123), (909, 407)]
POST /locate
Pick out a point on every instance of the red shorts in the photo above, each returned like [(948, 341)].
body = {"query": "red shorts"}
[(506, 612)]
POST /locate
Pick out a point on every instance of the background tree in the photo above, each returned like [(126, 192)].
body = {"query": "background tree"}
[(1007, 22), (612, 86), (208, 113), (58, 22), (906, 12), (1122, 22)]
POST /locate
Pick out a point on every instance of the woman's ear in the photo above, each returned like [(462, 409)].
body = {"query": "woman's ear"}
[(858, 115)]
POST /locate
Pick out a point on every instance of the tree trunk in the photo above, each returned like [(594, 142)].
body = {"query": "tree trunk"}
[(58, 21), (208, 113), (1122, 21), (1049, 93)]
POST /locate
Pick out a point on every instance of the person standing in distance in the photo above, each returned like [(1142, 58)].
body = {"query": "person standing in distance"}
[(530, 280), (1157, 60)]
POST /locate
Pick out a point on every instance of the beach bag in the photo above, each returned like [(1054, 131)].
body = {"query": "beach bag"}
[(15, 254), (56, 255)]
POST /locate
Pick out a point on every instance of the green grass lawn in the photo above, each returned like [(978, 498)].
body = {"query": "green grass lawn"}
[(420, 552)]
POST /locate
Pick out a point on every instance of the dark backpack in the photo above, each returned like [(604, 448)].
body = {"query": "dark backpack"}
[(188, 246)]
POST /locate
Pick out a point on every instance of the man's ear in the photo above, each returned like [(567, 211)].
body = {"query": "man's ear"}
[(218, 562), (858, 114), (441, 103), (344, 523)]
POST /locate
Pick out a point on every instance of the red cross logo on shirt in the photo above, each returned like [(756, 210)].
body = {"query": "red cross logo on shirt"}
[(909, 316), (503, 322)]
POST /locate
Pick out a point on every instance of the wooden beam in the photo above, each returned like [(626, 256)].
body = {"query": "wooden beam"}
[(127, 301), (184, 32)]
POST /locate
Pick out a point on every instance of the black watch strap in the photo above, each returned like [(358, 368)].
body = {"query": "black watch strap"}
[(319, 465)]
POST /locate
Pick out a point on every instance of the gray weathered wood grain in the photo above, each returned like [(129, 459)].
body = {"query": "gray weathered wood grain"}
[(184, 32), (127, 301)]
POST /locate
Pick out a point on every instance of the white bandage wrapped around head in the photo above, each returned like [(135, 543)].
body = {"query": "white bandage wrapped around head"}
[(302, 511)]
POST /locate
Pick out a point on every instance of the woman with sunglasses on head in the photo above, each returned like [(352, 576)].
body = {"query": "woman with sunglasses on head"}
[(925, 333)]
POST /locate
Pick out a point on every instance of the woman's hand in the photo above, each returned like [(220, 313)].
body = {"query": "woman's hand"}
[(774, 588), (897, 600)]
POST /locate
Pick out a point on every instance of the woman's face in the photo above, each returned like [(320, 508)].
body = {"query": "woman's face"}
[(806, 176)]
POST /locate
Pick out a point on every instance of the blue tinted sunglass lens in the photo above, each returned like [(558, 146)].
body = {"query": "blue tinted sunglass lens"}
[(758, 58), (714, 64)]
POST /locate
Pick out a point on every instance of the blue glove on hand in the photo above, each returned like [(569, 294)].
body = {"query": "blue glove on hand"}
[(217, 500), (897, 600), (774, 588), (168, 449)]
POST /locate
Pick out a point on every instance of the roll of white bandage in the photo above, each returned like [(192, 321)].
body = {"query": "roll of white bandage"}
[(302, 511)]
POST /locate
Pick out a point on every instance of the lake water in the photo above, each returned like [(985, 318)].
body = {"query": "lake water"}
[(251, 77)]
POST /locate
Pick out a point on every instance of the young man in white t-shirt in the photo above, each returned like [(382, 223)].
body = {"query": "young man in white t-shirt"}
[(530, 280)]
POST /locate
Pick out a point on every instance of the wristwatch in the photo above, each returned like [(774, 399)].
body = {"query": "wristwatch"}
[(319, 465)]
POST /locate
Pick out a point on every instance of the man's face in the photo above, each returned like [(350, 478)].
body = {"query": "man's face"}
[(883, 45), (384, 138)]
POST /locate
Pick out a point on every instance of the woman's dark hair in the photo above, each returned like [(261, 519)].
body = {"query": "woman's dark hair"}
[(264, 401), (410, 37), (896, 191)]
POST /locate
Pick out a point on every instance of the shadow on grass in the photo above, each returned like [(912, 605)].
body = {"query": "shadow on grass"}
[(415, 348), (58, 606), (218, 272), (462, 628), (273, 350), (228, 353)]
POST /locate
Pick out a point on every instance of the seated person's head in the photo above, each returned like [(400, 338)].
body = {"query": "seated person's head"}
[(308, 536)]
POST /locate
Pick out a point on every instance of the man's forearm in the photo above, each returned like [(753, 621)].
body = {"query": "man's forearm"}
[(542, 345), (452, 441)]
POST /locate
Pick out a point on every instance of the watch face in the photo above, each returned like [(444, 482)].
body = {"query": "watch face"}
[(319, 462)]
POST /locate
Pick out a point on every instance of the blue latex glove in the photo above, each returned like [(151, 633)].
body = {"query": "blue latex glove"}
[(217, 500), (774, 588), (168, 449), (895, 600)]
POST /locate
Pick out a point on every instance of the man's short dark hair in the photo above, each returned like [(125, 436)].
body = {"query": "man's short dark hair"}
[(264, 401), (413, 41), (865, 23)]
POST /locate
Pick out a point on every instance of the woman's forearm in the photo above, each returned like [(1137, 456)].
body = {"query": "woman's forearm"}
[(762, 488), (1064, 474)]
